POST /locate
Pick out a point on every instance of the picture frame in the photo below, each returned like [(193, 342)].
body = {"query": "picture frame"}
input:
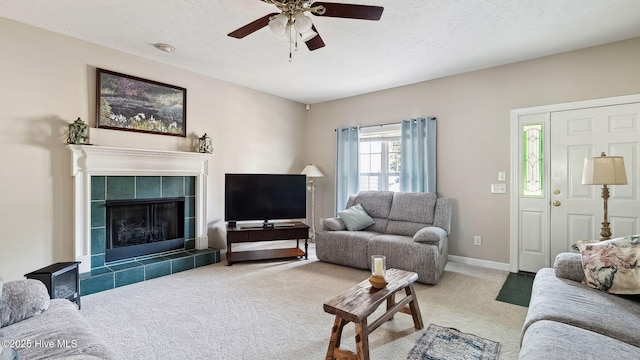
[(125, 102)]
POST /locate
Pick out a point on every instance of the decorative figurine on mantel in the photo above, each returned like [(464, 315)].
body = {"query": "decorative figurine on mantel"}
[(78, 133), (205, 145)]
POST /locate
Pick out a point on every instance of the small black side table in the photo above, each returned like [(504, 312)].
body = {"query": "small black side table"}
[(62, 280)]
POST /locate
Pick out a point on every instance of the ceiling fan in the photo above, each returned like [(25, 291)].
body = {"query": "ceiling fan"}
[(291, 21)]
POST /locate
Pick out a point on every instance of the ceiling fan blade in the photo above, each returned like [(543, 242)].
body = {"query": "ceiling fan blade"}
[(350, 11), (251, 27), (315, 42)]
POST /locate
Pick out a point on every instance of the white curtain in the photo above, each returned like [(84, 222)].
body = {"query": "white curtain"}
[(418, 147), (347, 177)]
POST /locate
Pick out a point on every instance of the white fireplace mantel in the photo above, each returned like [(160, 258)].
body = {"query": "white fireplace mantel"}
[(92, 160)]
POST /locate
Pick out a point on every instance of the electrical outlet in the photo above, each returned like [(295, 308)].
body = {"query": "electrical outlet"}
[(320, 220), (477, 240)]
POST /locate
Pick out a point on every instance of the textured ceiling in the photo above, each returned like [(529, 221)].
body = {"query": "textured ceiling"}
[(415, 40)]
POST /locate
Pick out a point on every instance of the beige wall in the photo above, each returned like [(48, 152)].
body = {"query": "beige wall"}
[(47, 81), (473, 129)]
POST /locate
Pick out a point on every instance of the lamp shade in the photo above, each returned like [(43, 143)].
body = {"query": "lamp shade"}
[(278, 24), (604, 170), (311, 171), (302, 22)]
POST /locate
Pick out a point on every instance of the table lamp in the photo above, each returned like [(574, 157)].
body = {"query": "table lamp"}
[(604, 170)]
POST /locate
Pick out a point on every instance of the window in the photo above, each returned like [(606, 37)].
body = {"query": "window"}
[(396, 157), (380, 158), (532, 166)]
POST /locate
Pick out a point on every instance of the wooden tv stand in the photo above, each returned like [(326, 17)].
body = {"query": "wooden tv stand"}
[(247, 233)]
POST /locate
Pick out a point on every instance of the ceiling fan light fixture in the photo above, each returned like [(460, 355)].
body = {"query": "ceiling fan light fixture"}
[(291, 24), (278, 24), (287, 34), (302, 22)]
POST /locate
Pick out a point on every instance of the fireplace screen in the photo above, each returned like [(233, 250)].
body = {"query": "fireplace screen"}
[(141, 227)]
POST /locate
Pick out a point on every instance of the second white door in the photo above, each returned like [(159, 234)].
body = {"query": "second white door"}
[(577, 210)]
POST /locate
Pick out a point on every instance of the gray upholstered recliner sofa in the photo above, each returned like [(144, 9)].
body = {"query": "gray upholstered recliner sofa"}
[(568, 320), (411, 229), (37, 327)]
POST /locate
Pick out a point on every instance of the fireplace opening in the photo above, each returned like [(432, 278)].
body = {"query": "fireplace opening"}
[(140, 227)]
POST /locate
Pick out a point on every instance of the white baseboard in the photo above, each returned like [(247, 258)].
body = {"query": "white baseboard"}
[(478, 262)]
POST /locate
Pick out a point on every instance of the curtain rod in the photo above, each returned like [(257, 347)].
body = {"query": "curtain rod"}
[(387, 124)]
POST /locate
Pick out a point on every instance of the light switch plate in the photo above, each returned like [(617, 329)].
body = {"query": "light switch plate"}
[(498, 188), (502, 176)]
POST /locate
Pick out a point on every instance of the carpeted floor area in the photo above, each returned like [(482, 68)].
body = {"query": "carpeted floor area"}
[(517, 289), (273, 310)]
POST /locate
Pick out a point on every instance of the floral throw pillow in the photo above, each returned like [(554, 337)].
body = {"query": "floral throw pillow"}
[(612, 265)]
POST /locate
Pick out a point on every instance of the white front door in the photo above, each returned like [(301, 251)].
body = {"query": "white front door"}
[(548, 221), (533, 198), (577, 210)]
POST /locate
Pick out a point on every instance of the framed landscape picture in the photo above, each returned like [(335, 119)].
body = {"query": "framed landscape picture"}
[(125, 102)]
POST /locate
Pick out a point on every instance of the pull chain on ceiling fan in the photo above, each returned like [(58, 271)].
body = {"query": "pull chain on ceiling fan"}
[(291, 22)]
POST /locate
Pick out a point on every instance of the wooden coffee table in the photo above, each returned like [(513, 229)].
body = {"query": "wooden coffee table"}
[(357, 303)]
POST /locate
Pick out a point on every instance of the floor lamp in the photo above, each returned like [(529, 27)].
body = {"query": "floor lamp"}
[(604, 170), (312, 172)]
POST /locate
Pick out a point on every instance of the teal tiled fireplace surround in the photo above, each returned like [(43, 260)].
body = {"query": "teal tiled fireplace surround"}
[(104, 276)]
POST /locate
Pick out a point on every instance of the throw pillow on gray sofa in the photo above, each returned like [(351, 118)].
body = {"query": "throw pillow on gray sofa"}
[(356, 218), (612, 265)]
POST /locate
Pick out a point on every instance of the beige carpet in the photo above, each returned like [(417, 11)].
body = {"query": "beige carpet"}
[(273, 310)]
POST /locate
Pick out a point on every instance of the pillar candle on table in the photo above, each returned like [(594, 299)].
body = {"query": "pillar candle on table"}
[(378, 267)]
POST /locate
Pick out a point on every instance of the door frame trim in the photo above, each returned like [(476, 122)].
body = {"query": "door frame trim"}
[(515, 156)]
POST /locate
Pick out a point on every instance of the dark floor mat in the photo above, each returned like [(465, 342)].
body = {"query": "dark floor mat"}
[(517, 289)]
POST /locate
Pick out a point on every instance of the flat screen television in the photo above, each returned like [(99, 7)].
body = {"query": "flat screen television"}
[(264, 197)]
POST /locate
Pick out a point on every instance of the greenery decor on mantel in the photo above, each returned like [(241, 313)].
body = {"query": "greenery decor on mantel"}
[(78, 133), (205, 145)]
